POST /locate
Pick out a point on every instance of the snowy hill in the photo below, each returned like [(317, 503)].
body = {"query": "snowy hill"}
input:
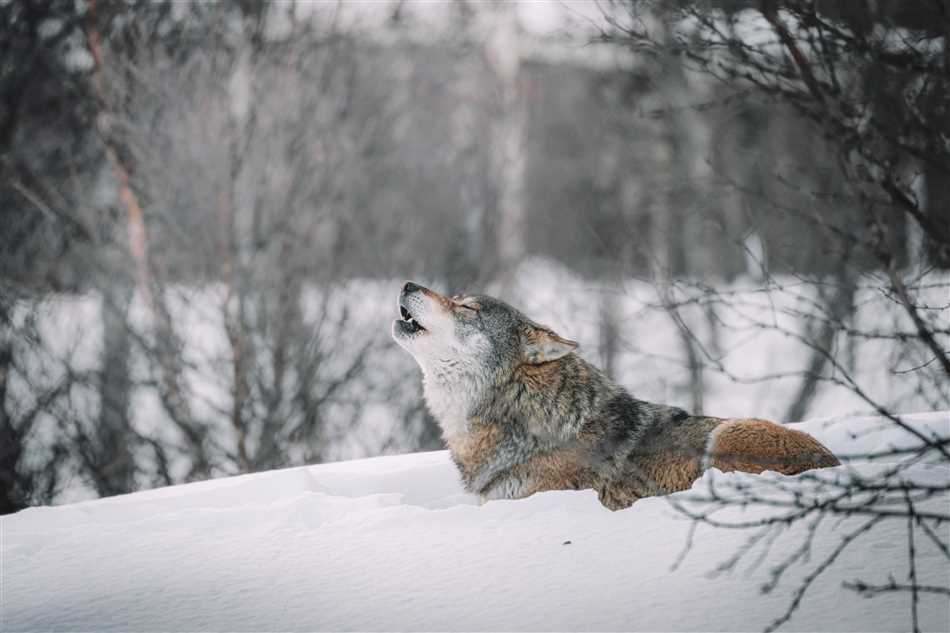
[(394, 543)]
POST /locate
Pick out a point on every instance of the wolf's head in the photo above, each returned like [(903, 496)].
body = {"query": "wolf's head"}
[(470, 337)]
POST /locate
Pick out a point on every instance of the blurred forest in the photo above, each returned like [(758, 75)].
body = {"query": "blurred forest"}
[(216, 192)]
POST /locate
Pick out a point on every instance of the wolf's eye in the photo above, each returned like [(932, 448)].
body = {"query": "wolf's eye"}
[(464, 301)]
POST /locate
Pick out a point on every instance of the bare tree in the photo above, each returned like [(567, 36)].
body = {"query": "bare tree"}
[(227, 155), (872, 86), (279, 132)]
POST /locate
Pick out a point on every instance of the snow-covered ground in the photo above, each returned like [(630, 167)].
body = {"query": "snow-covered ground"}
[(394, 543)]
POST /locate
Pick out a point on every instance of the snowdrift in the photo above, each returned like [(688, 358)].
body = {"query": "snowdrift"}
[(394, 543)]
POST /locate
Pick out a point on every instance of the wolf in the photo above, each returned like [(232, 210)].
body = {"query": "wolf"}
[(521, 412)]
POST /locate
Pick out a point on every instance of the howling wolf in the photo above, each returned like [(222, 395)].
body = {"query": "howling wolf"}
[(522, 413)]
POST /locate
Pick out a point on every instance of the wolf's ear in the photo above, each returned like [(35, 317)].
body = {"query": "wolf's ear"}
[(540, 345)]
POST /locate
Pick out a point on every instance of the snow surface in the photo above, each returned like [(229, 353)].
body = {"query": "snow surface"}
[(394, 543)]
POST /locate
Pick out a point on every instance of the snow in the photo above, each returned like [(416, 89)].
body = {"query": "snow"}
[(394, 543)]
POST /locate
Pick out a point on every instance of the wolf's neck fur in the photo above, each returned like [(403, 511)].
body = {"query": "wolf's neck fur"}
[(451, 391), (552, 400)]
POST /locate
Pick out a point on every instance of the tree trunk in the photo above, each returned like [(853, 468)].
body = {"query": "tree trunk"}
[(508, 140), (838, 306), (114, 466), (11, 448)]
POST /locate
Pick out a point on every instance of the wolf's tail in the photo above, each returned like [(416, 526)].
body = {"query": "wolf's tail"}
[(752, 445)]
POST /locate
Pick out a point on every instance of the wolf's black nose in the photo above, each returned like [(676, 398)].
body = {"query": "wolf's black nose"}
[(411, 287)]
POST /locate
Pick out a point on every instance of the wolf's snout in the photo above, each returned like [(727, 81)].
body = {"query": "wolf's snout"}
[(410, 287), (409, 307), (411, 291)]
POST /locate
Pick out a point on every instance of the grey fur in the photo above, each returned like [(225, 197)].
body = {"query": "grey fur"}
[(521, 412)]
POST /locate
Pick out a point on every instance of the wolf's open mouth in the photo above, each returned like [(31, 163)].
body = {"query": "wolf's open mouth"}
[(407, 317)]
